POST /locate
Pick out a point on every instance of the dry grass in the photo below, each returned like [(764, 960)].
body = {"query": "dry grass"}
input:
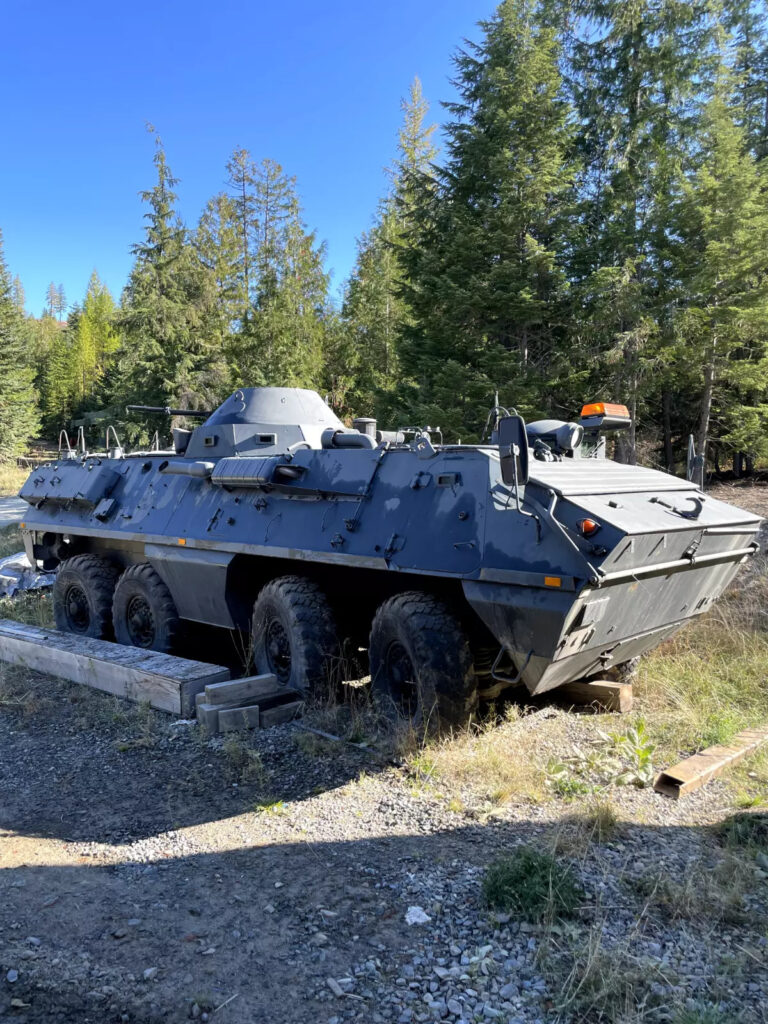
[(709, 681), (485, 767), (11, 479)]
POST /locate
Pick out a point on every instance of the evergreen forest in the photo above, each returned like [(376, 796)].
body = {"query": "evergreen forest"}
[(590, 223)]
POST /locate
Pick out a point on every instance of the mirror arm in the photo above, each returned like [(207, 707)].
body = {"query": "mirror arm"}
[(532, 515)]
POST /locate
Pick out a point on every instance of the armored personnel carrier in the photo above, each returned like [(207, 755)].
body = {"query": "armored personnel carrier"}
[(460, 569)]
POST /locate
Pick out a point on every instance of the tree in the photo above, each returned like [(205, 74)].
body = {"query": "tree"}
[(17, 292), (166, 359), (241, 172), (634, 73), (367, 377), (482, 262), (723, 325), (19, 419)]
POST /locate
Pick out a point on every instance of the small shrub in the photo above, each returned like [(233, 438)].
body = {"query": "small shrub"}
[(531, 885)]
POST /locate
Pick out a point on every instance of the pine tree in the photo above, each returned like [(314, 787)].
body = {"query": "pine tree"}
[(166, 358), (19, 297), (95, 340), (723, 327), (364, 373), (635, 70), (19, 419), (241, 178), (481, 260)]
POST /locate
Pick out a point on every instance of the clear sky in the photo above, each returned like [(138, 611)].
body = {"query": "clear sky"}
[(315, 86)]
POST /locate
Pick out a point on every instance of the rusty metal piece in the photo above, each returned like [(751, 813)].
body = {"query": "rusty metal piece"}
[(697, 770)]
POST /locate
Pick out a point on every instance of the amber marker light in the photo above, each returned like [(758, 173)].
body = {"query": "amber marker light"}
[(182, 540), (552, 581), (604, 409), (588, 526)]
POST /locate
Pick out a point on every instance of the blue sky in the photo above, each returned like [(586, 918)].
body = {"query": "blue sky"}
[(315, 86)]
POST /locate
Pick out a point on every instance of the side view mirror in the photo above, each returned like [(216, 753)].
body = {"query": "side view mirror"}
[(513, 450)]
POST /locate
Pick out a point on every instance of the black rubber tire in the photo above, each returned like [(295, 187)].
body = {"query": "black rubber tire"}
[(416, 633), (82, 596), (143, 611), (294, 636), (627, 671)]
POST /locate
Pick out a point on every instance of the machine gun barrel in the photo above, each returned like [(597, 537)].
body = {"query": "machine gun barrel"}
[(197, 413)]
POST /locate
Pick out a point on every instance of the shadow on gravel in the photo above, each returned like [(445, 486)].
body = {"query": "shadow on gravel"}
[(245, 922)]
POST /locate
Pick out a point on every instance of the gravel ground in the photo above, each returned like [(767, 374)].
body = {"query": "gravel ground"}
[(280, 878), (152, 876)]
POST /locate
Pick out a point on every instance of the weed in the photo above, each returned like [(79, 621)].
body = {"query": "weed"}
[(703, 893), (274, 807), (701, 1015), (564, 779), (312, 745), (635, 749), (531, 885), (604, 983), (746, 831), (244, 762)]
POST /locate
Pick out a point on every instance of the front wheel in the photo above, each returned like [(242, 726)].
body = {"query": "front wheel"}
[(421, 663), (143, 611)]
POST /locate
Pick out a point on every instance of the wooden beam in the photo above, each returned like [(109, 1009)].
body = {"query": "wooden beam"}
[(602, 693), (249, 688), (164, 681), (697, 770), (281, 713), (235, 719)]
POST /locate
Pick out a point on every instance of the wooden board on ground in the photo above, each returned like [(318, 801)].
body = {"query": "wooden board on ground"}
[(164, 681), (695, 771), (235, 719), (602, 693), (281, 713), (235, 690)]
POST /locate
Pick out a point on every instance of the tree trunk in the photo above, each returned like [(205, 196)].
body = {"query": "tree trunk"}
[(706, 406), (666, 417)]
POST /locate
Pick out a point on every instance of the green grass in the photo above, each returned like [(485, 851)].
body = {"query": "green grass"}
[(531, 885)]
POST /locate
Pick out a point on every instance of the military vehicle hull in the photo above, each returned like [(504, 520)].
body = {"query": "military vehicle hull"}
[(540, 603)]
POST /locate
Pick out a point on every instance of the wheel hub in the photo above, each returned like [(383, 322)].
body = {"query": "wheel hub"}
[(402, 679), (78, 612), (278, 650), (140, 622)]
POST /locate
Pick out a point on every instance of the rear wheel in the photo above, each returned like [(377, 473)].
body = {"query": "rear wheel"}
[(82, 596), (295, 637), (421, 664), (143, 611)]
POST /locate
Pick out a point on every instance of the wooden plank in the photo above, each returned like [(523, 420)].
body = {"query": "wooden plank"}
[(164, 681), (208, 717), (249, 688), (695, 771), (602, 693), (234, 719), (282, 713)]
